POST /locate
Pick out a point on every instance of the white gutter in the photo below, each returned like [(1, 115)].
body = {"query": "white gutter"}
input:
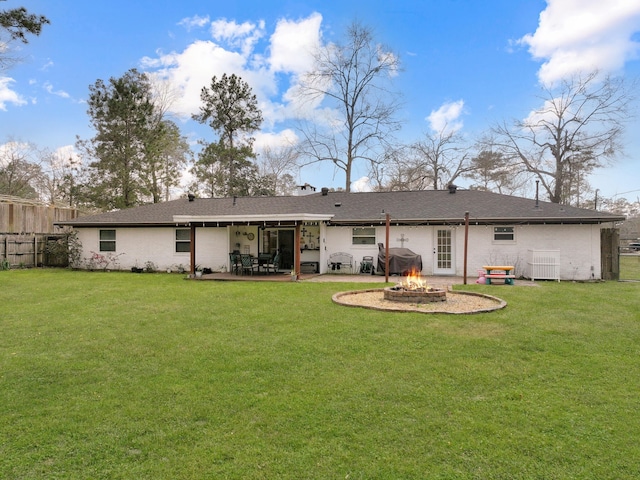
[(288, 217)]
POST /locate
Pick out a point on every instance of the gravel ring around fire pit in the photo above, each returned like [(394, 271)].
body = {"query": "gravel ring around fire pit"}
[(456, 303)]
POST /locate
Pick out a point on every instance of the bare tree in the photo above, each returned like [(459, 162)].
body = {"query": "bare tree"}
[(440, 158), (622, 206), (354, 80), (278, 165), (387, 175), (432, 162), (492, 170), (165, 94), (60, 171), (577, 130), (20, 170), (30, 172), (168, 152)]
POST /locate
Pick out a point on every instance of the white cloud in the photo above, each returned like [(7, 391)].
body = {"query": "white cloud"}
[(60, 93), (47, 65), (361, 185), (191, 70), (234, 50), (194, 22), (579, 36), (283, 138), (293, 44), (292, 48), (243, 36), (7, 95), (447, 118)]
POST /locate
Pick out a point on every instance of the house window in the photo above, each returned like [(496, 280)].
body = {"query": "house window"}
[(363, 236), (504, 234), (107, 240), (183, 240)]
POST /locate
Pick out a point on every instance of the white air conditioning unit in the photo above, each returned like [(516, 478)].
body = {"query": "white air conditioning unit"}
[(544, 265)]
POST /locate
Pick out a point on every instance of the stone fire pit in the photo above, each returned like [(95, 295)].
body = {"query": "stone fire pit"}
[(400, 293), (413, 289)]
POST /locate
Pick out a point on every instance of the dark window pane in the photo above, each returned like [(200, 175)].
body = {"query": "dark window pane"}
[(504, 236), (183, 247), (107, 234), (183, 234), (108, 246)]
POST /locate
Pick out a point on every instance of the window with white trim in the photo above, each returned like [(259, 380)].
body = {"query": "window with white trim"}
[(363, 236), (183, 240), (107, 240), (504, 234)]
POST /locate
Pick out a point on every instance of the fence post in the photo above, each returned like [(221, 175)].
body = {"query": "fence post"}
[(609, 254)]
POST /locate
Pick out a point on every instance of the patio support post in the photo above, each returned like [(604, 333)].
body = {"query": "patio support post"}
[(192, 252), (386, 251), (466, 243), (296, 252)]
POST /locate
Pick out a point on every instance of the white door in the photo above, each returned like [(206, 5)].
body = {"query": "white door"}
[(443, 252)]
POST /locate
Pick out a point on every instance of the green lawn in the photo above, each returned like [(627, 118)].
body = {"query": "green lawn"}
[(123, 376), (630, 267)]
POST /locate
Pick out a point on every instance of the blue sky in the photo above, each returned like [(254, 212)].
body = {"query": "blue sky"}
[(481, 61)]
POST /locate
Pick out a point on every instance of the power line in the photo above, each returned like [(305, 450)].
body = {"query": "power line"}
[(624, 193)]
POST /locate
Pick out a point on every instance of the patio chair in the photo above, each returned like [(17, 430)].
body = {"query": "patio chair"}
[(247, 263), (234, 262), (274, 265)]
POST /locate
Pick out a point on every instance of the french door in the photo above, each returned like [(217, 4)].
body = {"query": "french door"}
[(443, 252)]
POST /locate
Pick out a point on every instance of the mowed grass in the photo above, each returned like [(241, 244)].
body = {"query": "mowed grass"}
[(123, 376), (630, 267)]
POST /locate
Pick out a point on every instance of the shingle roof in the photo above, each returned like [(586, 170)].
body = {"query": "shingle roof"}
[(425, 206)]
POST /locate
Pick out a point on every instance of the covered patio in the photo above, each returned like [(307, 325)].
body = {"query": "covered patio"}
[(258, 227)]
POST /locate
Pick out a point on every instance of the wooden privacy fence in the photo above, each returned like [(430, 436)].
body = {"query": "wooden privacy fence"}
[(21, 216), (28, 236), (26, 251), (609, 259)]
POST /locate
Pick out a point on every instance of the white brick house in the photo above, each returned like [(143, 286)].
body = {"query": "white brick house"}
[(501, 229)]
